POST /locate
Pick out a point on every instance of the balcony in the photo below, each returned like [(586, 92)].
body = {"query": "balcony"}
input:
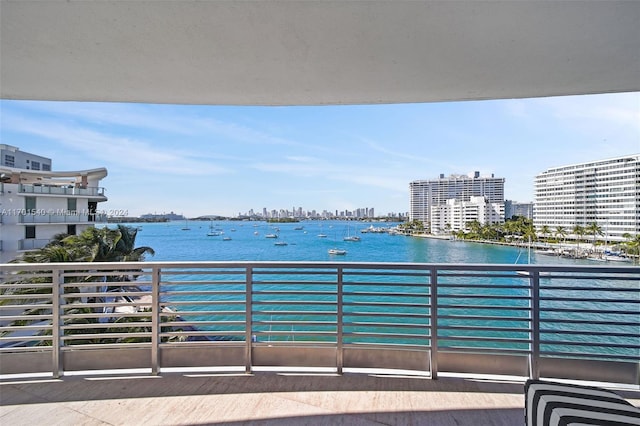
[(39, 219), (32, 243), (61, 190), (567, 322)]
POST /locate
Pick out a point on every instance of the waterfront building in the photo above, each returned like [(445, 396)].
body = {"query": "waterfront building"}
[(514, 208), (425, 194), (11, 156), (455, 214), (605, 192), (36, 205)]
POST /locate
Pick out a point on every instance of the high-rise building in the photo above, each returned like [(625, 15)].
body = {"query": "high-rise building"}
[(425, 194), (36, 205), (605, 192)]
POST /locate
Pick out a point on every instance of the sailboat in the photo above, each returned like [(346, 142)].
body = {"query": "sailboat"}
[(212, 232), (186, 225), (350, 237)]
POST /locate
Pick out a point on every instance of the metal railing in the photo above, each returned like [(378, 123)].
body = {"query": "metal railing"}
[(94, 191), (574, 322)]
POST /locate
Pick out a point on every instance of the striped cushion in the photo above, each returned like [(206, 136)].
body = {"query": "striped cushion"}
[(558, 404)]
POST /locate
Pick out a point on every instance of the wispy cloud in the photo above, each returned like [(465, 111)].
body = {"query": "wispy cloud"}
[(123, 151)]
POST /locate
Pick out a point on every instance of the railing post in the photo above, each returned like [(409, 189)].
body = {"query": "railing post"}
[(155, 320), (534, 359), (340, 313), (57, 290), (434, 323), (248, 319)]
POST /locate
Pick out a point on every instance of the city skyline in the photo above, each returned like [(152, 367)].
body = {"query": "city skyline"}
[(200, 160)]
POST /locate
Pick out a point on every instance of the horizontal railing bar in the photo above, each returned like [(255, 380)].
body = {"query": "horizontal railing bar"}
[(483, 328), (589, 333), (386, 335), (269, 322), (489, 307), (303, 292), (491, 286), (202, 293), (204, 302), (294, 332), (199, 323), (384, 324), (240, 271), (202, 333), (483, 318), (578, 321), (294, 302), (588, 344), (378, 293), (479, 275), (297, 282), (589, 299), (481, 350), (349, 284), (572, 355), (395, 304), (482, 296), (304, 313), (350, 272), (587, 311), (80, 336), (386, 314), (391, 346), (593, 288), (200, 283), (19, 349), (94, 346), (105, 315), (193, 313), (104, 294), (484, 339), (105, 325)]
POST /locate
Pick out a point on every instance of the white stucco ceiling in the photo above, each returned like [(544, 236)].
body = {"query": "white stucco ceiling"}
[(315, 52)]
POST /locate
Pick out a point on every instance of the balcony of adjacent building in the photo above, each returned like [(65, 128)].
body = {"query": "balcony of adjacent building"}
[(67, 190)]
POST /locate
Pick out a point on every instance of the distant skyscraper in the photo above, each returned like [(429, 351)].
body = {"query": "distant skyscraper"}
[(425, 194), (605, 192)]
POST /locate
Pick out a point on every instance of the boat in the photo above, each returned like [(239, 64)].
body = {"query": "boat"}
[(271, 236), (280, 243), (226, 239), (212, 232), (350, 237), (186, 226), (336, 251), (322, 235)]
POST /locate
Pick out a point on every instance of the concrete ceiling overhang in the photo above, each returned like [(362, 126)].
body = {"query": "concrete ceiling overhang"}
[(315, 52)]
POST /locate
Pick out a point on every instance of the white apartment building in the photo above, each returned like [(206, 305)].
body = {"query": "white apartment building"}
[(455, 214), (11, 156), (37, 205), (425, 194), (606, 192)]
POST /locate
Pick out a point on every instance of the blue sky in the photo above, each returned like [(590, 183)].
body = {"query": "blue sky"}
[(199, 160)]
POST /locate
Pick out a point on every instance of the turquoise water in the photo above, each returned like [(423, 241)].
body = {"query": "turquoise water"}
[(248, 243)]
